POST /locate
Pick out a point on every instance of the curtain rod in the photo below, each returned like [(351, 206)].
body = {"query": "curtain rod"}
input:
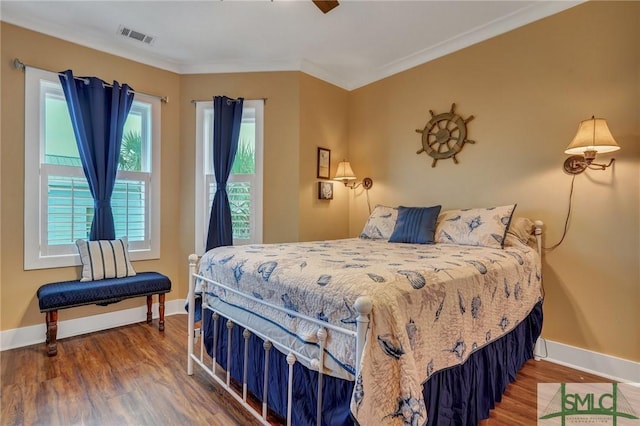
[(19, 65), (195, 101)]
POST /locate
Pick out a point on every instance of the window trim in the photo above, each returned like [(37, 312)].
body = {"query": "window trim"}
[(34, 214), (201, 191)]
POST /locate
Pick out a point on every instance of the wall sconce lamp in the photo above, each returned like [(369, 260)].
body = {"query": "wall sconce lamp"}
[(345, 175), (593, 138)]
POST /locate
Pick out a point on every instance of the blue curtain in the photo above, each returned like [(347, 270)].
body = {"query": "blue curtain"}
[(98, 112), (227, 116)]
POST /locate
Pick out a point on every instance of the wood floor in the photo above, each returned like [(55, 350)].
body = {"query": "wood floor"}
[(135, 375)]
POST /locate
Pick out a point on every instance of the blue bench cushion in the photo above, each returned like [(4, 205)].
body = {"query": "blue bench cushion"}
[(68, 294)]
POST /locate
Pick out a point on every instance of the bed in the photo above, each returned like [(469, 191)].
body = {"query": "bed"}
[(389, 328)]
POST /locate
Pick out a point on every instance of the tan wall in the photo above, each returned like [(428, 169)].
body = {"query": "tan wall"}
[(18, 304), (281, 147), (528, 90), (323, 123)]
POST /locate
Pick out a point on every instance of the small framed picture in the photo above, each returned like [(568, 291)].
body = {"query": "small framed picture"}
[(325, 190), (324, 163)]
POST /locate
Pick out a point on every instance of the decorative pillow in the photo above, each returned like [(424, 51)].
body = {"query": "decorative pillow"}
[(475, 227), (105, 259), (520, 231), (415, 225), (380, 224)]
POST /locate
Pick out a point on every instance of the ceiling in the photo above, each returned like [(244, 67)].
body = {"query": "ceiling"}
[(353, 45)]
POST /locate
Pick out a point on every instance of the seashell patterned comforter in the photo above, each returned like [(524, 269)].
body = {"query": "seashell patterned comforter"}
[(433, 305)]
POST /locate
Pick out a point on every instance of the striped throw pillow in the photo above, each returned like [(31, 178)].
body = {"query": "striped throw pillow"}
[(105, 259), (415, 225)]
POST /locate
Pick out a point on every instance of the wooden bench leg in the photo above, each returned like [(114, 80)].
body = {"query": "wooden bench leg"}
[(149, 304), (52, 331), (161, 311)]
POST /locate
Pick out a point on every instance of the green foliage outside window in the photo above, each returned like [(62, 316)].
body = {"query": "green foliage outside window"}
[(244, 163), (131, 152)]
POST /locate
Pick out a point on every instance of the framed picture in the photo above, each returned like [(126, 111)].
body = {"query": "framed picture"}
[(324, 163), (325, 190)]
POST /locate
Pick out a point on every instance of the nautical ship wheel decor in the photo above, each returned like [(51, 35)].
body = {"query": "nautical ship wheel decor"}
[(444, 135)]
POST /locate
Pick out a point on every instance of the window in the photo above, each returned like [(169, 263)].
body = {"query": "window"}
[(58, 203), (244, 186)]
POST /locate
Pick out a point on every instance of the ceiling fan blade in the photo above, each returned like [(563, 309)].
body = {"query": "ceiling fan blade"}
[(326, 5)]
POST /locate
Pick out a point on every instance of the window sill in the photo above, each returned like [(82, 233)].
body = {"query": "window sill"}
[(69, 260)]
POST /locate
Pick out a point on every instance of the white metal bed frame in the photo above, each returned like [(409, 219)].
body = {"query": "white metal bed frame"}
[(362, 305)]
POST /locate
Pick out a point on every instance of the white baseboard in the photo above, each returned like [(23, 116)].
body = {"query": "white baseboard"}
[(31, 335), (607, 366)]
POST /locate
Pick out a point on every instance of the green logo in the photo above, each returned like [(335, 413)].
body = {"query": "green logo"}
[(588, 403)]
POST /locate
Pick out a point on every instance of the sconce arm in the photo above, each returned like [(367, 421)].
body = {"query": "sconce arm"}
[(577, 164), (366, 183), (598, 166)]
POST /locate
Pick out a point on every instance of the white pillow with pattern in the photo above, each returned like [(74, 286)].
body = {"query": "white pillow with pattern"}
[(485, 227), (380, 224)]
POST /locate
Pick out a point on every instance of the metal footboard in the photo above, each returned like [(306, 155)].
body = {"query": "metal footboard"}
[(362, 306)]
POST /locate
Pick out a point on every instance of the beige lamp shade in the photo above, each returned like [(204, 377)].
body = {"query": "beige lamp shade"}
[(593, 135), (344, 172)]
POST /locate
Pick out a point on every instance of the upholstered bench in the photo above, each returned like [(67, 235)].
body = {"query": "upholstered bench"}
[(69, 294)]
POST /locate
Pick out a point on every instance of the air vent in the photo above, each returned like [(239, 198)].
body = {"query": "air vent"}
[(136, 35)]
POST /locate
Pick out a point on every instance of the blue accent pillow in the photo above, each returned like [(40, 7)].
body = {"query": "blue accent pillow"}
[(416, 225)]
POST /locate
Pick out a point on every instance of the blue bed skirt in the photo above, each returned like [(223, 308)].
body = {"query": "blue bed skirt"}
[(461, 395)]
